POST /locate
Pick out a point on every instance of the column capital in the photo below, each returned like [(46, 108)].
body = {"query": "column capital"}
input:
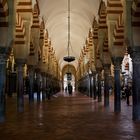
[(117, 61), (20, 61)]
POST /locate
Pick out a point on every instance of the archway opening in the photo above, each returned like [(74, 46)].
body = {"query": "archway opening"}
[(68, 77), (68, 80), (127, 70)]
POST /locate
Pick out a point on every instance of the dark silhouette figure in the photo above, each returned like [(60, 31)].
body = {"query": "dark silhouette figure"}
[(70, 89), (48, 93), (66, 89), (127, 93)]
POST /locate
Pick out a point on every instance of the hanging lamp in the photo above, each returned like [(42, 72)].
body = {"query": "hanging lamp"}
[(69, 58)]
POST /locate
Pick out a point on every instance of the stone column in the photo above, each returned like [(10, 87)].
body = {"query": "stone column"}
[(43, 86), (90, 85), (2, 86), (99, 85), (94, 86), (47, 84), (31, 83), (117, 85), (106, 84), (20, 86), (38, 85), (50, 81), (86, 85), (136, 83)]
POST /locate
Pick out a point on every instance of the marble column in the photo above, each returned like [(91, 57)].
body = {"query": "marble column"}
[(90, 86), (43, 86), (47, 85), (94, 86), (31, 83), (106, 84), (2, 86), (85, 84), (117, 84), (136, 83), (38, 85), (99, 86), (20, 86)]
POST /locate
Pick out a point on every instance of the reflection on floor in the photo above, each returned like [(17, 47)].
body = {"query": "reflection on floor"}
[(68, 118)]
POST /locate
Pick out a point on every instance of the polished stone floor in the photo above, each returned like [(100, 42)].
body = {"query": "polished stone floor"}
[(68, 118)]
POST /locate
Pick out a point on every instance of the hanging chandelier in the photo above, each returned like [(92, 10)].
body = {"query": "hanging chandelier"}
[(69, 58)]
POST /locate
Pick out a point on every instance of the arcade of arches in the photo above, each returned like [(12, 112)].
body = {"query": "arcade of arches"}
[(105, 40)]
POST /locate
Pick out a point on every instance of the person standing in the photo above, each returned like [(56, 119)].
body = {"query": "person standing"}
[(127, 93), (70, 89)]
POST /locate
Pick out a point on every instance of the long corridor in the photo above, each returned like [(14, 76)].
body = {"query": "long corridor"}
[(68, 118)]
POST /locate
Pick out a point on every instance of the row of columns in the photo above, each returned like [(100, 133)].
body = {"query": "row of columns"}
[(117, 33), (89, 86), (7, 18), (44, 83), (28, 45)]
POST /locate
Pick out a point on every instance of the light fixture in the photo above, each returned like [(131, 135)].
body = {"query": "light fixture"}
[(69, 58)]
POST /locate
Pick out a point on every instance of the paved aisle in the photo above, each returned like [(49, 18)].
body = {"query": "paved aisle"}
[(68, 118)]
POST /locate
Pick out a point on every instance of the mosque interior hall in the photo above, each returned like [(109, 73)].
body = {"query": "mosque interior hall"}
[(70, 69)]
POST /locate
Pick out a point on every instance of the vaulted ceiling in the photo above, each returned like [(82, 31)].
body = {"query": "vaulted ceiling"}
[(55, 14)]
